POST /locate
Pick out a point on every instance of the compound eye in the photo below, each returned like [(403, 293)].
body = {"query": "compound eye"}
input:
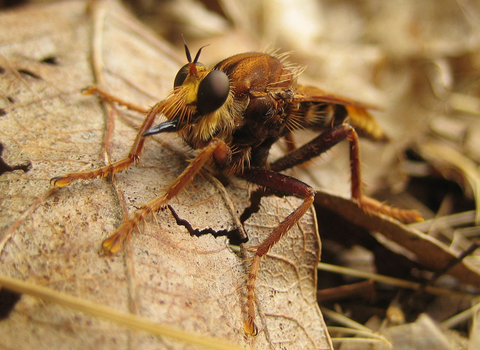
[(181, 76), (183, 73), (212, 92)]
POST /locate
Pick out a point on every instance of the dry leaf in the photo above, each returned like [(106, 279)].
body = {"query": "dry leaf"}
[(428, 251), (421, 334), (52, 237)]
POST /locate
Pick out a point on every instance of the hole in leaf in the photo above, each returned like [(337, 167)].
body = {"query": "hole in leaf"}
[(50, 60), (233, 235), (4, 167), (29, 73), (8, 299), (255, 198)]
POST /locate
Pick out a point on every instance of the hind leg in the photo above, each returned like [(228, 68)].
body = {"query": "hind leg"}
[(323, 143)]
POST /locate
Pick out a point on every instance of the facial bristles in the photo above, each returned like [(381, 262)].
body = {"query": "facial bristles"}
[(174, 106)]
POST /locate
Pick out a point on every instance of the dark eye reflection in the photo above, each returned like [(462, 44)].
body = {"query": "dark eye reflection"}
[(212, 92)]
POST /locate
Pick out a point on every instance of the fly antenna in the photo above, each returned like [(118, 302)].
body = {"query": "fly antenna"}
[(198, 53), (187, 52)]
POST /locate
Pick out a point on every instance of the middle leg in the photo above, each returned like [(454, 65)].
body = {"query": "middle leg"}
[(281, 185)]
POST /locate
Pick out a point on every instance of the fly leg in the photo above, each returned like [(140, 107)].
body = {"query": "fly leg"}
[(280, 185), (106, 96), (324, 142), (216, 149), (119, 165)]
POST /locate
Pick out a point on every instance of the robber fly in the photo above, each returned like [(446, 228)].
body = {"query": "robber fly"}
[(232, 114)]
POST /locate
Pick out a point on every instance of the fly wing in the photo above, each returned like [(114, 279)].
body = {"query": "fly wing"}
[(322, 109)]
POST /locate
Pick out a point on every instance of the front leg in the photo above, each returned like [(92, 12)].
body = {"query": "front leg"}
[(216, 149), (115, 167), (106, 96), (323, 143)]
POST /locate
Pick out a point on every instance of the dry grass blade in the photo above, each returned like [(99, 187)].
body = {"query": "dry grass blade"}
[(370, 335), (462, 316), (124, 319), (392, 281)]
